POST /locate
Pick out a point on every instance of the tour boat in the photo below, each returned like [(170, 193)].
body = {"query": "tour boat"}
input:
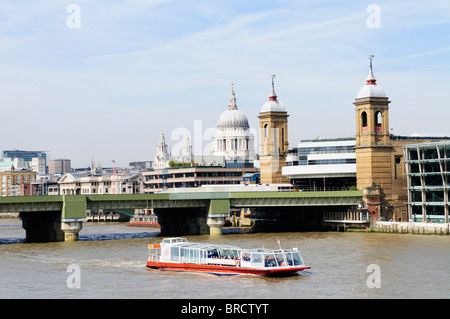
[(144, 221), (177, 254)]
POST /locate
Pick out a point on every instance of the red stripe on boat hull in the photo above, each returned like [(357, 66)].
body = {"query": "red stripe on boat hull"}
[(222, 269)]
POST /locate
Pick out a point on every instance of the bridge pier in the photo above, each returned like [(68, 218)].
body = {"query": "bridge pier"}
[(178, 222), (71, 229), (215, 224), (175, 224), (198, 226), (42, 227), (217, 211)]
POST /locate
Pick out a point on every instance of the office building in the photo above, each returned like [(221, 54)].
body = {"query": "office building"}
[(427, 171), (322, 164)]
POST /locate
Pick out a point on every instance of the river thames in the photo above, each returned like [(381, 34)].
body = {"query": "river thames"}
[(109, 260)]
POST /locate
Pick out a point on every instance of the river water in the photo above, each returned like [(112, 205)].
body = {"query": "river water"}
[(110, 259)]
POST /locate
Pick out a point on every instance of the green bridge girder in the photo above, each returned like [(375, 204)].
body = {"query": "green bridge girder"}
[(75, 206)]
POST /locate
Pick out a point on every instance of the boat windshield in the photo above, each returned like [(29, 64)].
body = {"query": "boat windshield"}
[(282, 258), (297, 258)]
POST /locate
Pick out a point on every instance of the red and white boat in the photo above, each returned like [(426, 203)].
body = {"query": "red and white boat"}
[(177, 254), (144, 221)]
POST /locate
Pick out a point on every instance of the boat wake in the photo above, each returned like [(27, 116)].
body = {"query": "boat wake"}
[(115, 236)]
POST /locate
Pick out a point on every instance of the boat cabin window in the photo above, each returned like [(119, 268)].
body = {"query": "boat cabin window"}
[(289, 258), (297, 259), (256, 258), (269, 260), (174, 240), (280, 259), (213, 253), (191, 255), (246, 257), (175, 253), (228, 253)]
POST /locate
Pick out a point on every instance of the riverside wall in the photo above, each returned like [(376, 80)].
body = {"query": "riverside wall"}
[(412, 228)]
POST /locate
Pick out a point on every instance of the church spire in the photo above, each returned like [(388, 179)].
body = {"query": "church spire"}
[(371, 80), (273, 95), (232, 105)]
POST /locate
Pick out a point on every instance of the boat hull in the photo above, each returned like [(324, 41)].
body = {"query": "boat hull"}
[(224, 270), (145, 224)]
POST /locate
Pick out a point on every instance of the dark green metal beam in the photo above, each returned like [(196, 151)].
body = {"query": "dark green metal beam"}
[(75, 206)]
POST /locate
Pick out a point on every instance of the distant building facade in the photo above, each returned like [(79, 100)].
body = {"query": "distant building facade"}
[(59, 166), (141, 165), (73, 184), (16, 183), (322, 164), (27, 157), (38, 165), (194, 177)]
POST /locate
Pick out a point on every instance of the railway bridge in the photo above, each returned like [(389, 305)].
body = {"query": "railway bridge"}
[(61, 217)]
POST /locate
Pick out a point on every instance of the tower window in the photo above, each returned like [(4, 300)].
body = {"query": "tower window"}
[(266, 132), (364, 121), (378, 126)]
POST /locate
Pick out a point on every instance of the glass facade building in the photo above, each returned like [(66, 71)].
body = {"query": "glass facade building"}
[(26, 155), (322, 164), (427, 169)]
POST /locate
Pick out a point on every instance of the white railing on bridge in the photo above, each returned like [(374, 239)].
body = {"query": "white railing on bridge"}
[(245, 188), (230, 188)]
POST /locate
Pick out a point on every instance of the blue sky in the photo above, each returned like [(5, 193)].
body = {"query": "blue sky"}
[(105, 90)]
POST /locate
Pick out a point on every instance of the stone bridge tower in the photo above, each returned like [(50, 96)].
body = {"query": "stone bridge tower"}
[(373, 146), (273, 140)]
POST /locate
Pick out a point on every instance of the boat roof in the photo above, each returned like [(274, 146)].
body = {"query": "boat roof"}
[(183, 242)]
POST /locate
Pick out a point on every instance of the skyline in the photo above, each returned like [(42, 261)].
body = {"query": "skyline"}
[(99, 81)]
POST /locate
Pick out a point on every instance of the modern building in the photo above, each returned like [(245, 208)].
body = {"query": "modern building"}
[(26, 155), (59, 166), (8, 164), (194, 176), (233, 140), (38, 165), (45, 185), (16, 183), (322, 164), (427, 171), (273, 139), (141, 165)]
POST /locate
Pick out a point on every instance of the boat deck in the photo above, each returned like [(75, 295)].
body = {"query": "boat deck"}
[(179, 254)]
